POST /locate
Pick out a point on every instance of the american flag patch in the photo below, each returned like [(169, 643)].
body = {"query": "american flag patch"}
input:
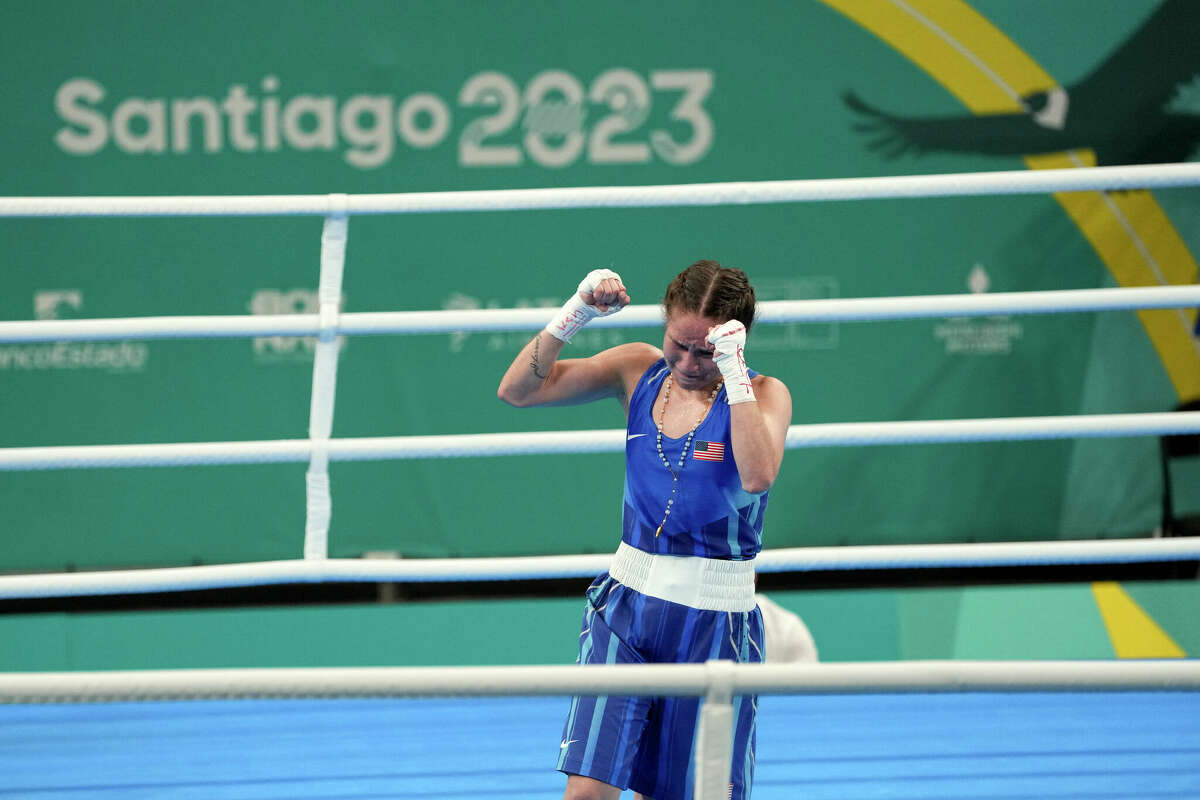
[(709, 451)]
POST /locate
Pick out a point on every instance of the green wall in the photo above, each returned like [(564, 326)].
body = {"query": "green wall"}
[(365, 96), (1010, 622)]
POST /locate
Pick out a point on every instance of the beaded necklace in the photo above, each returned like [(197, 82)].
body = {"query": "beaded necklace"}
[(662, 416)]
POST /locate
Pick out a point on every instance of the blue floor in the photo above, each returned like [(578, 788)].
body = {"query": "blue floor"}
[(845, 747)]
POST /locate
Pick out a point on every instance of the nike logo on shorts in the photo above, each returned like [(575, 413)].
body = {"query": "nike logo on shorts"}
[(567, 744)]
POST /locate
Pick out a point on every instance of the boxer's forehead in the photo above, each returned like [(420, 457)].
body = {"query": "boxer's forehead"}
[(690, 330)]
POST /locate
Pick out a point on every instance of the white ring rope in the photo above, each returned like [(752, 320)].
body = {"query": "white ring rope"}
[(1149, 176), (833, 434), (861, 309), (435, 570), (689, 680)]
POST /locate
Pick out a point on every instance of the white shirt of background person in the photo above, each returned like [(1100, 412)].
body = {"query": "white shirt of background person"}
[(786, 636)]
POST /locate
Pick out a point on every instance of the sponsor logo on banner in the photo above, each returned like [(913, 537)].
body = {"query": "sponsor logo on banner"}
[(795, 335), (51, 304), (983, 336), (286, 349), (57, 304), (790, 336), (588, 340), (556, 119)]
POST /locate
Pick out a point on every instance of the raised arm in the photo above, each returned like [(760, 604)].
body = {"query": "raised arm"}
[(760, 410), (760, 432), (537, 377)]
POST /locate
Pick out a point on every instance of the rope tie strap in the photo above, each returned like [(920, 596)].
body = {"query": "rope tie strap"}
[(333, 263), (714, 735), (318, 497), (318, 502)]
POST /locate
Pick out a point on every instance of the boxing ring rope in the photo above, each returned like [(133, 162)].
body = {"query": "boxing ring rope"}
[(1144, 176), (378, 448), (716, 682), (432, 570), (644, 680), (859, 309)]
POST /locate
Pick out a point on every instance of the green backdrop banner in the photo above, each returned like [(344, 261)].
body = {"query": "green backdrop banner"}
[(174, 98), (1049, 621)]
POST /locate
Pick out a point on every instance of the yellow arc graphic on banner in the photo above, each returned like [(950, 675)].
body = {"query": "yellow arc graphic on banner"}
[(989, 73), (1133, 632)]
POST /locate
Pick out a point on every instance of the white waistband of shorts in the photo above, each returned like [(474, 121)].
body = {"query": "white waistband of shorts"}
[(710, 584)]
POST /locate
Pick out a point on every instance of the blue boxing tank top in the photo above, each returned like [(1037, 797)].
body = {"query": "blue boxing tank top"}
[(712, 515)]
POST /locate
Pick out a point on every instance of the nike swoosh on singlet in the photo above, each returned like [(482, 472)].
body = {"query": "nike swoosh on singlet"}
[(634, 436)]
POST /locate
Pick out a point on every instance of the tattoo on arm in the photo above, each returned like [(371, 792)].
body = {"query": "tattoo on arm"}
[(533, 364)]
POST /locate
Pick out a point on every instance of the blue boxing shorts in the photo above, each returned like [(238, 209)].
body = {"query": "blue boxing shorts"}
[(646, 743)]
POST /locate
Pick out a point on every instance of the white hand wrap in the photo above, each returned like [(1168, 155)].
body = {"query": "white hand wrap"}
[(728, 342), (575, 313)]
